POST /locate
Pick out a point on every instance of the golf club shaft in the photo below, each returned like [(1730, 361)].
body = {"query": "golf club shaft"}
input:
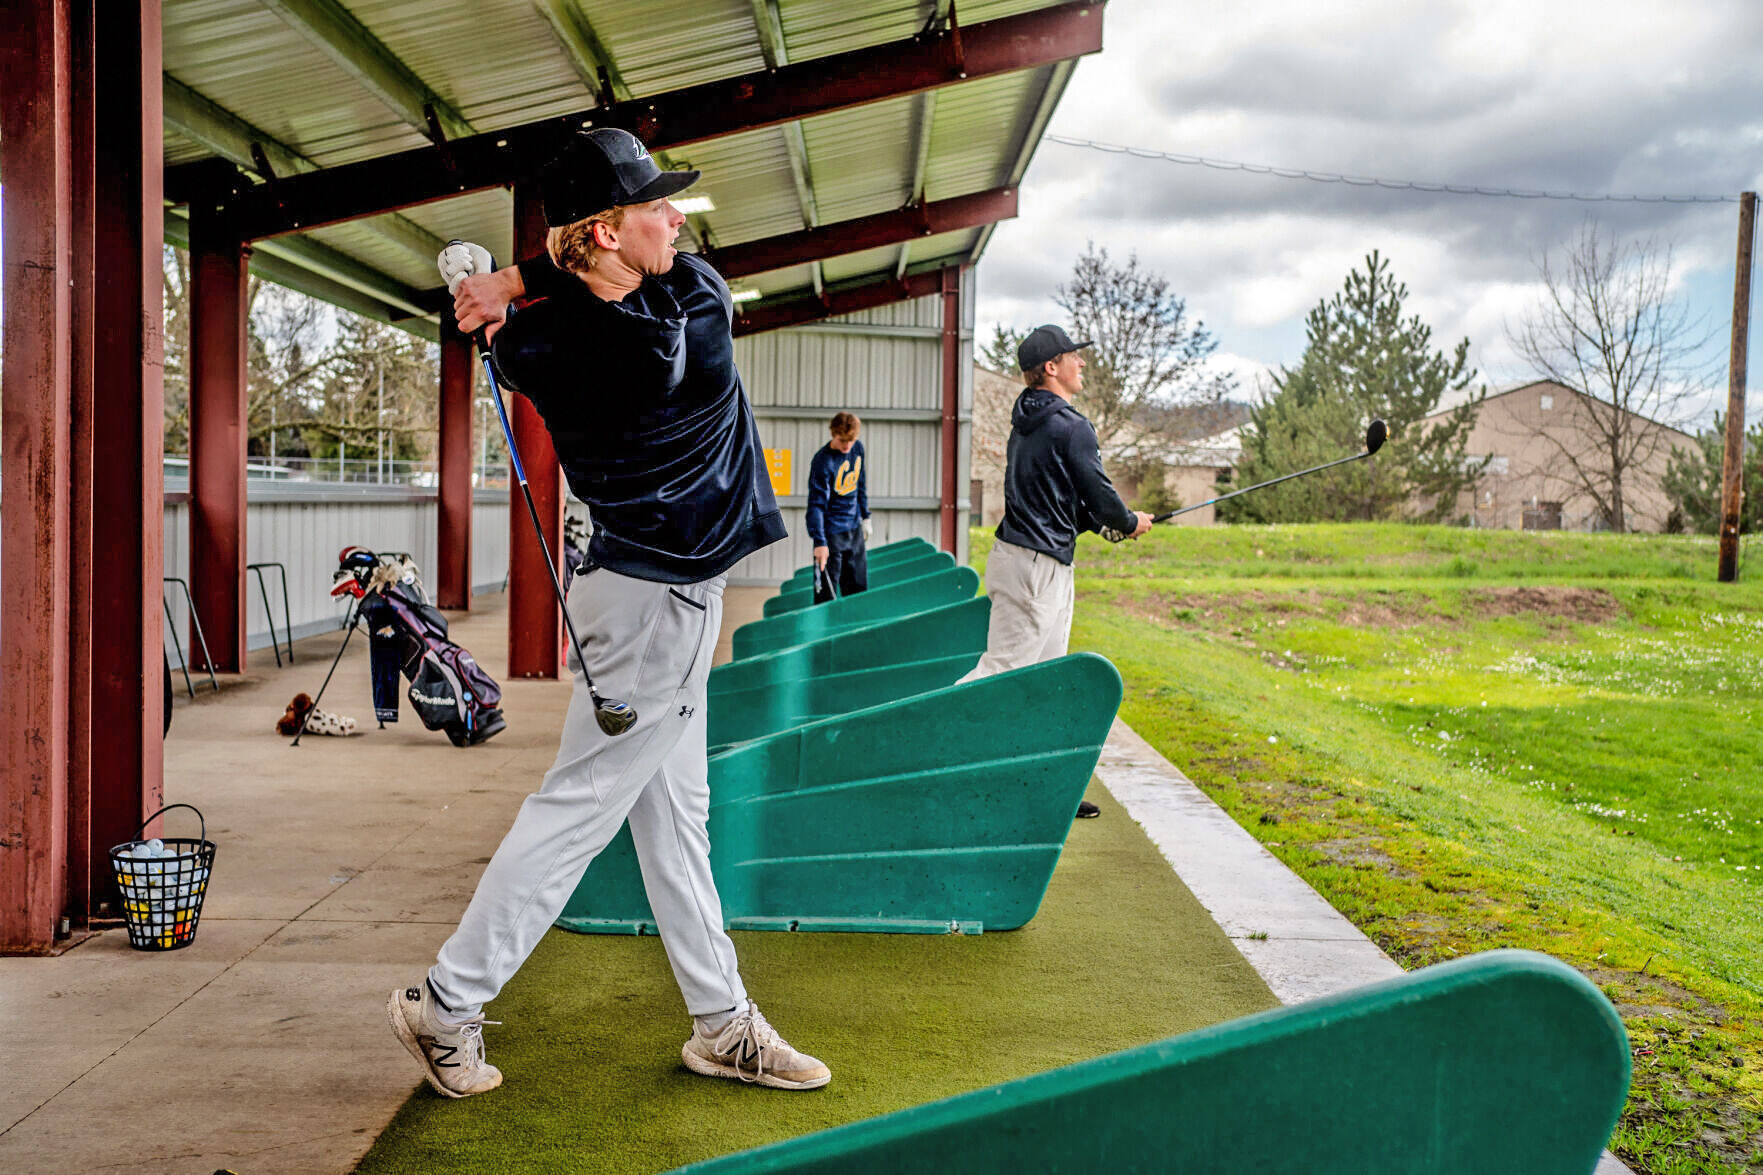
[(538, 528), (354, 618), (1261, 485)]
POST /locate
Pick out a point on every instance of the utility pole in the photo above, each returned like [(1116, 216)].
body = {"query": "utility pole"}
[(1732, 475)]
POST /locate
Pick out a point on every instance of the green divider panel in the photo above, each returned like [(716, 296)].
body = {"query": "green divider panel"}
[(949, 586), (952, 630), (1506, 1063), (944, 812), (738, 715), (878, 557), (790, 598)]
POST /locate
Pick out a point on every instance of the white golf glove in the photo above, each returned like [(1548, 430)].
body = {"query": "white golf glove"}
[(868, 530), (462, 259)]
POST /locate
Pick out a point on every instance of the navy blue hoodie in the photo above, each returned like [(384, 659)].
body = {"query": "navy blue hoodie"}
[(648, 417), (838, 492), (1054, 485)]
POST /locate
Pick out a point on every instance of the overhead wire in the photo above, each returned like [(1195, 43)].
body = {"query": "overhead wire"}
[(1368, 181)]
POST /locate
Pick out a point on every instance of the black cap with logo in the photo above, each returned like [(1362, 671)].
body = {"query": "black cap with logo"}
[(1043, 345), (602, 169)]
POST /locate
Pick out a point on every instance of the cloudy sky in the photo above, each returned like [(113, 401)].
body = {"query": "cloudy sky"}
[(1597, 96)]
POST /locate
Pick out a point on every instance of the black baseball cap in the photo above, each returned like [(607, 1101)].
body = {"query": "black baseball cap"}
[(1043, 345), (602, 169)]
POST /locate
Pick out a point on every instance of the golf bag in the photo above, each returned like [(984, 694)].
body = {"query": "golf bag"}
[(448, 689)]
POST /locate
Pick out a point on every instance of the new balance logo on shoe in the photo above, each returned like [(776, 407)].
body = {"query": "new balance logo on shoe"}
[(452, 1057)]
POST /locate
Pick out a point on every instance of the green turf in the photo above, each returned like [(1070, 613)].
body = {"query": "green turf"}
[(1119, 955), (1474, 739)]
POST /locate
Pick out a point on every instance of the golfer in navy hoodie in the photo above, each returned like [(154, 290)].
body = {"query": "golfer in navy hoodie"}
[(838, 512)]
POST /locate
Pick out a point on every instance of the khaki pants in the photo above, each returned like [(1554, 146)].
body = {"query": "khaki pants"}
[(1032, 595)]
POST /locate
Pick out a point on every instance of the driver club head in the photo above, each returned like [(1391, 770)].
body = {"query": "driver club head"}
[(615, 717), (1375, 436)]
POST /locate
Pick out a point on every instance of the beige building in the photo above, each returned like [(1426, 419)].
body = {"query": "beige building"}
[(1193, 471), (1544, 441), (994, 396)]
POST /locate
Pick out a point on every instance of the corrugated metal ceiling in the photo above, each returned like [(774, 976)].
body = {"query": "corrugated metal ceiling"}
[(499, 64)]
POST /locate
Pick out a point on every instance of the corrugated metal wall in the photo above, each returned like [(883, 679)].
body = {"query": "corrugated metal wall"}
[(303, 528), (883, 364), (886, 366)]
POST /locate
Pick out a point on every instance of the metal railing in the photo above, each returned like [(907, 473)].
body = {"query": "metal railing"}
[(352, 471)]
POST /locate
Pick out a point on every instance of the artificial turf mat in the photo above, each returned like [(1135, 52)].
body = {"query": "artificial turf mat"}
[(1120, 954)]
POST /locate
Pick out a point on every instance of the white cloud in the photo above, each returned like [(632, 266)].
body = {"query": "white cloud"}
[(1582, 95)]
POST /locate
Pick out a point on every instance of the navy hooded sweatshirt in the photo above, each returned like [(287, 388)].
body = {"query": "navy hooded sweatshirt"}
[(1054, 485), (838, 492), (648, 416)]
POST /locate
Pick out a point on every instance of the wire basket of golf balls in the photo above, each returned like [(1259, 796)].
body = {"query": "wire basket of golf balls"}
[(163, 881)]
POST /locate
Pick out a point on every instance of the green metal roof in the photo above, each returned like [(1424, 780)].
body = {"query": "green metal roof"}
[(324, 82)]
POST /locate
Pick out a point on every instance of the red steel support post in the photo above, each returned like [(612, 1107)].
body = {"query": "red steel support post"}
[(218, 434), (535, 628), (87, 879), (453, 517), (36, 159), (951, 402), (128, 424)]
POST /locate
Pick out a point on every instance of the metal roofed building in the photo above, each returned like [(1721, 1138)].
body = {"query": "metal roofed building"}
[(855, 155)]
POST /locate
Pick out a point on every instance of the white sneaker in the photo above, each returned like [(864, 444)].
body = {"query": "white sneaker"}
[(452, 1058), (749, 1049)]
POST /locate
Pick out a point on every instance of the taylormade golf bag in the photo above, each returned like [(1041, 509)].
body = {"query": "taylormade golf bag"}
[(449, 690)]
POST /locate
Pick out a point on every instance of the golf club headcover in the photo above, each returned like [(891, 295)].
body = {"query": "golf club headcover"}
[(289, 722), (345, 583), (460, 260)]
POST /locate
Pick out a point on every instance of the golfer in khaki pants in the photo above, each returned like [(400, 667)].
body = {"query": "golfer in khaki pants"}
[(1054, 487)]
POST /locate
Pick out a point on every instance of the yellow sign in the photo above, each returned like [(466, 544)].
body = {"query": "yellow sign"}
[(777, 463)]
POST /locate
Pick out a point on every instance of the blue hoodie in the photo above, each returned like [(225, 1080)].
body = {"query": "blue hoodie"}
[(838, 492), (648, 417)]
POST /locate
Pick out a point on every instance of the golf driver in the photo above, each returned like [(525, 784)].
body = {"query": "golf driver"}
[(1375, 436), (615, 717)]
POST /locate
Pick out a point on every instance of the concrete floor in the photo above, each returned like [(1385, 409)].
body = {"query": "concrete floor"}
[(342, 865)]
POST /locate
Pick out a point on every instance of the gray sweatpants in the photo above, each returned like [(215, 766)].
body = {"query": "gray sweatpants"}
[(650, 644)]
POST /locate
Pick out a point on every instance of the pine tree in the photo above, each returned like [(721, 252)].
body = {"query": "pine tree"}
[(1693, 482), (1363, 361)]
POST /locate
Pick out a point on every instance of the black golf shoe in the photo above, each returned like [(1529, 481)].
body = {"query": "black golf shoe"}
[(1087, 810)]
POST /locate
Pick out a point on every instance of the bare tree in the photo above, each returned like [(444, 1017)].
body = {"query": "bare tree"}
[(1608, 327), (289, 356), (174, 266), (1149, 356)]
